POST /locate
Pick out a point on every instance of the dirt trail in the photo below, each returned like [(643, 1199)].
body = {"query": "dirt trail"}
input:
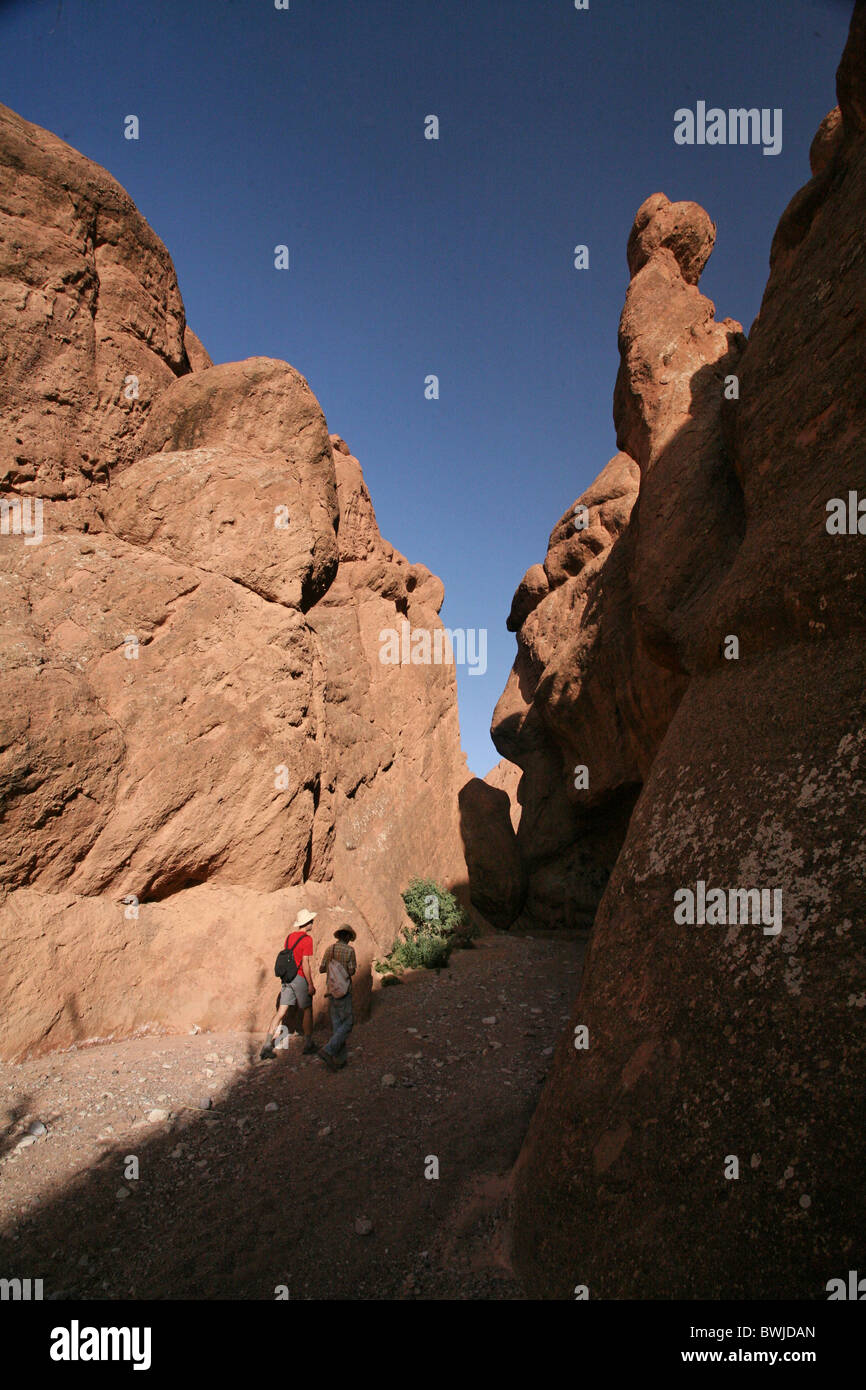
[(235, 1200)]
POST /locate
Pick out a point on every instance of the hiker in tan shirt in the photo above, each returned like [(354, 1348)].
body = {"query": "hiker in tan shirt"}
[(339, 964)]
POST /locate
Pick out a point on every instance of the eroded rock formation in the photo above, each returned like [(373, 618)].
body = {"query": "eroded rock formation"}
[(722, 1039), (505, 777), (563, 625), (197, 734)]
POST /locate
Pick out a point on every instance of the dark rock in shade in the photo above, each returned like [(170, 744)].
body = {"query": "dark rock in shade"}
[(497, 878)]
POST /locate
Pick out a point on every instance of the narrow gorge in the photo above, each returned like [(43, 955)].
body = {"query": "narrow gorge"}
[(198, 738)]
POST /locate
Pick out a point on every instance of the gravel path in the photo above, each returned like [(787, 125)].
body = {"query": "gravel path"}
[(292, 1176)]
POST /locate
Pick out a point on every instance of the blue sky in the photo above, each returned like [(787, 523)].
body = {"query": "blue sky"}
[(410, 256)]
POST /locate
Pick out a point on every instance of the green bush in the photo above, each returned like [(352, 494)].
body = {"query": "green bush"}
[(422, 950), (431, 907), (438, 925)]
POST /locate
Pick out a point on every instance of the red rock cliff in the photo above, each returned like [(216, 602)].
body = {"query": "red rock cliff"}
[(197, 734)]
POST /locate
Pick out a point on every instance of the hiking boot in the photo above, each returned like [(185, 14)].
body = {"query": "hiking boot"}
[(267, 1053), (329, 1061), (310, 1049)]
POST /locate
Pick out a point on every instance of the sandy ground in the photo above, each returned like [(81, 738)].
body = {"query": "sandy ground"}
[(295, 1176)]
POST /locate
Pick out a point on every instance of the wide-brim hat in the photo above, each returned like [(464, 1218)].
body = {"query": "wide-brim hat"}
[(304, 918), (346, 928)]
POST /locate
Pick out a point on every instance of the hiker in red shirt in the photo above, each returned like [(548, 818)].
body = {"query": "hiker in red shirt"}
[(299, 990)]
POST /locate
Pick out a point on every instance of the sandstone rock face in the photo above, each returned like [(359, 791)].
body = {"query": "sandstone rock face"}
[(827, 139), (682, 229), (197, 354), (727, 1039), (392, 732), (92, 318), (237, 476), (198, 733)]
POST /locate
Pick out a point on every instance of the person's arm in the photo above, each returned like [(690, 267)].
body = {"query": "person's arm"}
[(308, 970), (353, 964), (325, 958)]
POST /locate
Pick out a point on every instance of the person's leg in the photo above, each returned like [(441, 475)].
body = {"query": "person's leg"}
[(332, 1011), (307, 1026), (305, 1002), (277, 1019), (268, 1048), (341, 1026), (328, 1053), (347, 1024)]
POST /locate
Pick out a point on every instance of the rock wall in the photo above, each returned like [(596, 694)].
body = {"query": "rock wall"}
[(723, 1040), (197, 733)]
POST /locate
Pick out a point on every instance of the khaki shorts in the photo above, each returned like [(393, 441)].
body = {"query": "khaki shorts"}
[(296, 992)]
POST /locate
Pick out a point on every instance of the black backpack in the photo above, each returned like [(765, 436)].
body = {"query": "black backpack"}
[(285, 966)]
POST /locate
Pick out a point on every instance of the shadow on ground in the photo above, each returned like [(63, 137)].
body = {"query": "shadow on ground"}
[(235, 1201)]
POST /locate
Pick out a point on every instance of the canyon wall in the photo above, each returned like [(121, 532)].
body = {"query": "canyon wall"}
[(697, 645), (197, 734)]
